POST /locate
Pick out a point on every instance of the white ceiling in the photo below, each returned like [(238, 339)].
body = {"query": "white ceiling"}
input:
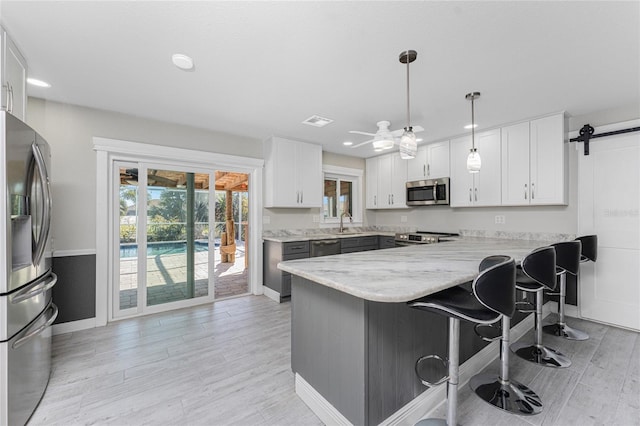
[(263, 67)]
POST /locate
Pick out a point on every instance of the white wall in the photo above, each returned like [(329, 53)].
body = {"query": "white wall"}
[(69, 130)]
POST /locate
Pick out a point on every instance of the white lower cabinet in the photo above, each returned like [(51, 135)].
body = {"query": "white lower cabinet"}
[(534, 159), (476, 189), (386, 182)]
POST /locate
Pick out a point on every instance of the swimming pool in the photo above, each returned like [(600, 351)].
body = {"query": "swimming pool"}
[(156, 249)]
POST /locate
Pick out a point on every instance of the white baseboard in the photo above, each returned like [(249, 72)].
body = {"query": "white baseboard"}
[(271, 294), (427, 401), (70, 327), (326, 412)]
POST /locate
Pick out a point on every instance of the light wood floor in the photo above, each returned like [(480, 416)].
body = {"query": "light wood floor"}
[(229, 363)]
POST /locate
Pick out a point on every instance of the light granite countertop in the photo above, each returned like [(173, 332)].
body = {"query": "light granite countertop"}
[(327, 236), (406, 273)]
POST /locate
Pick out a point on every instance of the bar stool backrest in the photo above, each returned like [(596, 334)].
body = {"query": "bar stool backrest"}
[(495, 287), (589, 247), (540, 266), (568, 255)]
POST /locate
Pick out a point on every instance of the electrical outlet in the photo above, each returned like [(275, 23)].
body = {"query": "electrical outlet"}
[(500, 219), (266, 219), (403, 219), (316, 218)]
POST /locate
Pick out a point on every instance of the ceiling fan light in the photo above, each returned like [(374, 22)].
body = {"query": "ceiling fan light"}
[(408, 144), (474, 162), (383, 143)]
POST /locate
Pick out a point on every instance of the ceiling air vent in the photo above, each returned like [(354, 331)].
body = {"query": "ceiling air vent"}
[(317, 121)]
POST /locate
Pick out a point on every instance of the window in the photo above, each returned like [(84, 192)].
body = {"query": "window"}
[(342, 194)]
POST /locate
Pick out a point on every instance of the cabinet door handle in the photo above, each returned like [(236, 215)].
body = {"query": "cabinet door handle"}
[(388, 199), (301, 197), (470, 195), (424, 170), (428, 170), (5, 87), (375, 200), (298, 197), (476, 193), (392, 202), (525, 191), (533, 190), (10, 100)]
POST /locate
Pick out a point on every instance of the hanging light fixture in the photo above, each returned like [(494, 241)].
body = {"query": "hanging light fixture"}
[(408, 144), (473, 160)]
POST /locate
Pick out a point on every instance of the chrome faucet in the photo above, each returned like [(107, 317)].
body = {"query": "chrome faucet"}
[(344, 213)]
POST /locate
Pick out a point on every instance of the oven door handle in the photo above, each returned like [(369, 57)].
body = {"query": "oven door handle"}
[(35, 288), (30, 334)]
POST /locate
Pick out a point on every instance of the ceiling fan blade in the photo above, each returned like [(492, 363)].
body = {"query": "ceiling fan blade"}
[(362, 143), (357, 132)]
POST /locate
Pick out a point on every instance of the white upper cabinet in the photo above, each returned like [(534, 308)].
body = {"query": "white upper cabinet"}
[(432, 161), (476, 189), (386, 182), (534, 162), (293, 174), (13, 74)]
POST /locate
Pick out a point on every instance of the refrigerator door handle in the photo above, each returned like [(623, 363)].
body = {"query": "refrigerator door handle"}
[(34, 289), (46, 216), (30, 334)]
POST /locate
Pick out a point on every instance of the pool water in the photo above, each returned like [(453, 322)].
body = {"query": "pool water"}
[(156, 249)]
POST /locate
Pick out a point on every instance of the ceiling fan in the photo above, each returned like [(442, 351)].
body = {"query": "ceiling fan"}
[(383, 138)]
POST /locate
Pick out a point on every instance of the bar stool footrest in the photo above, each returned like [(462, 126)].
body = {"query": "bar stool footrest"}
[(429, 363), (488, 332)]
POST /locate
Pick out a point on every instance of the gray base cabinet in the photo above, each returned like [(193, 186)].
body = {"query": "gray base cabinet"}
[(274, 253), (356, 244)]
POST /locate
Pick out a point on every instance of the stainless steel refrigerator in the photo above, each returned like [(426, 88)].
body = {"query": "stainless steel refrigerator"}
[(26, 279)]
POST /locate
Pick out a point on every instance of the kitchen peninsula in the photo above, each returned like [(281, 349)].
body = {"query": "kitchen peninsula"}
[(354, 339)]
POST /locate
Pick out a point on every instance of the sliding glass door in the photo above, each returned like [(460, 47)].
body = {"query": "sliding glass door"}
[(165, 243)]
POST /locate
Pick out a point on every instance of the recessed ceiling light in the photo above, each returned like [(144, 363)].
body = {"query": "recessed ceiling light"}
[(347, 143), (317, 121), (36, 82), (419, 140), (183, 62), (468, 126)]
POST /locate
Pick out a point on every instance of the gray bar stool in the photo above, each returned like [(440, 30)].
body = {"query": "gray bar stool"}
[(536, 273), (492, 299), (567, 262)]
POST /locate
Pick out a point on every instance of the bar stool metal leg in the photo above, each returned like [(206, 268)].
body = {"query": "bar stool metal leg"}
[(538, 353), (500, 391), (452, 382), (560, 328)]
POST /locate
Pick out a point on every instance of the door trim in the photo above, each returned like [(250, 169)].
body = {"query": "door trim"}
[(110, 150)]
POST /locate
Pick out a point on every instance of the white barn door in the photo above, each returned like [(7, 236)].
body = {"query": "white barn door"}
[(609, 206)]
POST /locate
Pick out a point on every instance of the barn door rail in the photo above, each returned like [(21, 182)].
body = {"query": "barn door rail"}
[(586, 134)]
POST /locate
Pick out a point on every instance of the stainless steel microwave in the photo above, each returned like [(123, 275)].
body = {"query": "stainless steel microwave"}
[(428, 192)]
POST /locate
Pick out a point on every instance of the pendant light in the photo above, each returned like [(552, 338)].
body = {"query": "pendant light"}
[(473, 160), (408, 144)]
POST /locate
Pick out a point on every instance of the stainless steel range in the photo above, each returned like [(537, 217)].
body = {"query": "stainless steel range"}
[(422, 237)]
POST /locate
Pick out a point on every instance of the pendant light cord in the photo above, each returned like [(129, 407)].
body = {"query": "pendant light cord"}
[(408, 102), (473, 125)]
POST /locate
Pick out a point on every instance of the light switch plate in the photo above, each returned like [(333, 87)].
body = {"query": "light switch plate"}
[(316, 218), (403, 219), (266, 219)]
